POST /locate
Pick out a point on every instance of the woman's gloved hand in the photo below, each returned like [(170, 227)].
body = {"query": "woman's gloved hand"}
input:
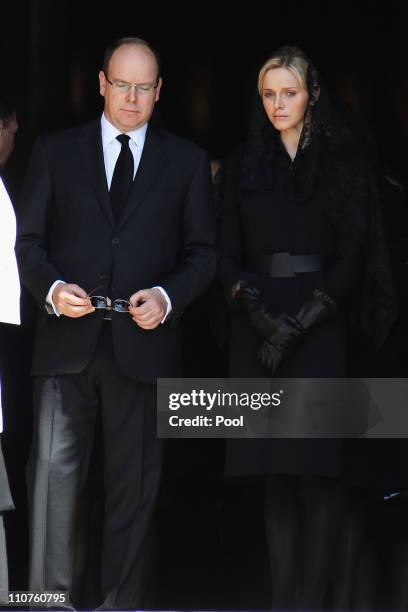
[(272, 351), (247, 299), (316, 310)]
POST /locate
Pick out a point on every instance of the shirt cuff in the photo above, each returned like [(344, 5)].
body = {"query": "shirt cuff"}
[(169, 306), (48, 299)]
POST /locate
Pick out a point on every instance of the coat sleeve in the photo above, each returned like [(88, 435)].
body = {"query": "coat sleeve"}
[(33, 216), (345, 270), (197, 266), (350, 191), (231, 235)]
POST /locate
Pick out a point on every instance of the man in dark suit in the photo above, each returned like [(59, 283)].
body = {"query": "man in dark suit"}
[(113, 209)]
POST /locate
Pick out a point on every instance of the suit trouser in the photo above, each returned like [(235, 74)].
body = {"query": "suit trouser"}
[(6, 503), (65, 412), (3, 560)]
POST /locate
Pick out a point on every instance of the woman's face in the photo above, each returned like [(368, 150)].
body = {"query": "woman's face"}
[(284, 100)]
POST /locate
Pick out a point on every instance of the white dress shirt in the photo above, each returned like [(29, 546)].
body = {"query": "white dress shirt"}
[(111, 146), (111, 150), (9, 280)]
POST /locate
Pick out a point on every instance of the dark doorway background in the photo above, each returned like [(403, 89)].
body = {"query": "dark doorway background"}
[(50, 55)]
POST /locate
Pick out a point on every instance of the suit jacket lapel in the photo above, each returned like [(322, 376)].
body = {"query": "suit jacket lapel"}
[(92, 153), (150, 167)]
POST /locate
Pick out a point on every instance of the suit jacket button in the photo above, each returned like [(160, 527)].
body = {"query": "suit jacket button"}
[(115, 240)]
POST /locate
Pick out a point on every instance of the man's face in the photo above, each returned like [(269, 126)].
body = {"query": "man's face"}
[(7, 134), (130, 110)]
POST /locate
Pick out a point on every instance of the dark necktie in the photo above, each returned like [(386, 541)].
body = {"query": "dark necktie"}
[(122, 178)]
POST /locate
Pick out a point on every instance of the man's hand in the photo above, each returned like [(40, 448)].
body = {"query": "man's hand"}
[(148, 308), (71, 300)]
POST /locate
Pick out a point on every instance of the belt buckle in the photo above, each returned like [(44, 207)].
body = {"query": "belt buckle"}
[(282, 266)]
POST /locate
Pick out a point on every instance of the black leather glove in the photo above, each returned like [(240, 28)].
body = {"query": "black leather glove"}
[(319, 308), (272, 351), (312, 313), (247, 299)]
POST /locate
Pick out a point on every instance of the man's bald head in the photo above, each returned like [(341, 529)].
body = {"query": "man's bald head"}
[(129, 40)]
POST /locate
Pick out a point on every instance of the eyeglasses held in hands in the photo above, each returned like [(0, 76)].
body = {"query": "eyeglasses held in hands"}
[(101, 302)]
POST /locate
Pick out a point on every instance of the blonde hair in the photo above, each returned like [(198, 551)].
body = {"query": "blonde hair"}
[(291, 58)]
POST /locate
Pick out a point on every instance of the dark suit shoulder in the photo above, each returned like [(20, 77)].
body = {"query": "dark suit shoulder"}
[(59, 137), (180, 144)]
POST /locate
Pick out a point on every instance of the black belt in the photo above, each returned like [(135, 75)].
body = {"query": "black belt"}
[(285, 265)]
